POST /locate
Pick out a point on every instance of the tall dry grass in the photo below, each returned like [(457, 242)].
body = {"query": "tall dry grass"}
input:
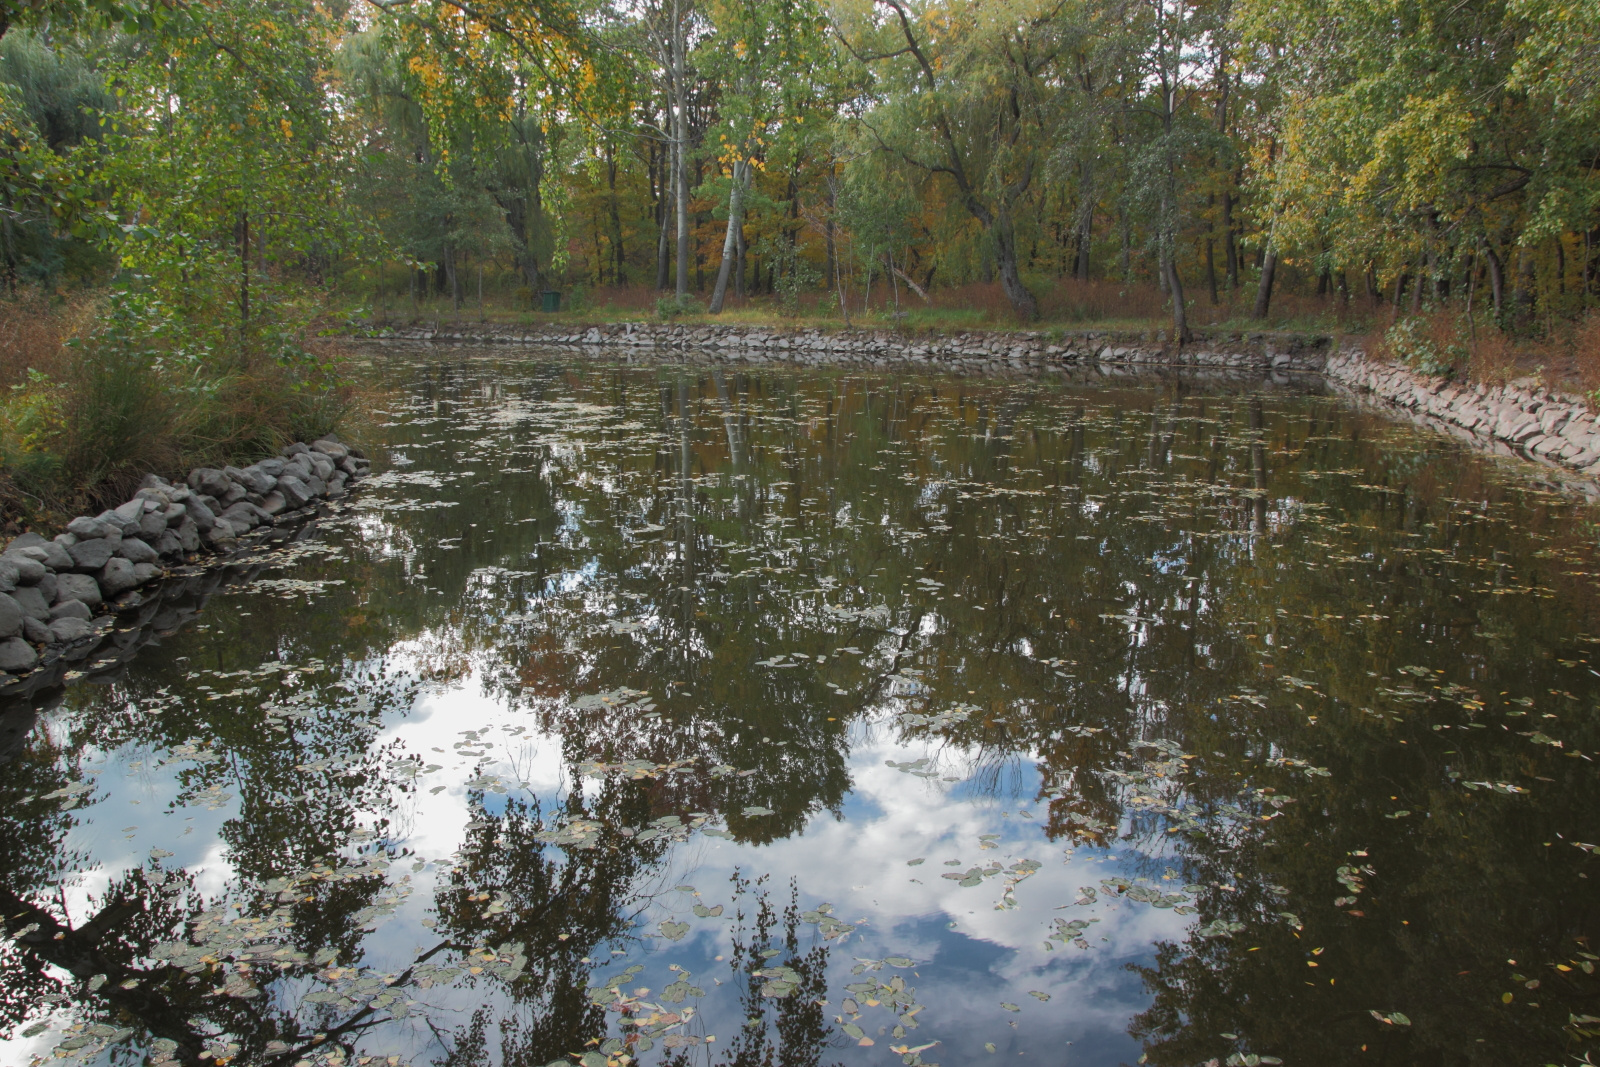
[(84, 419)]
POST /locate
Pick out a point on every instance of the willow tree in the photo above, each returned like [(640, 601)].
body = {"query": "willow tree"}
[(972, 93)]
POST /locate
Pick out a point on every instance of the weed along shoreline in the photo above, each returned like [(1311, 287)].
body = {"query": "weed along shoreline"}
[(105, 578), (1534, 424)]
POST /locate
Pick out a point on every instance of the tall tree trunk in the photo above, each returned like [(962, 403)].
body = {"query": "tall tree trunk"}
[(1524, 299), (1005, 251), (1180, 313), (1497, 279), (831, 268), (1230, 244), (1085, 227), (1269, 270), (618, 255), (244, 272), (739, 286), (1211, 259), (680, 137), (730, 241), (663, 216), (450, 277)]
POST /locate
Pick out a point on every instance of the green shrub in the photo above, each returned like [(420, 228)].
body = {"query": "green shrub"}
[(1428, 346), (671, 307)]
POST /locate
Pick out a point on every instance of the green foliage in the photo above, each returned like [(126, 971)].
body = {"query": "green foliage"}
[(673, 307), (1427, 346)]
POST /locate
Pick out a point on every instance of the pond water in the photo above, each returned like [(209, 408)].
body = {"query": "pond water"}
[(695, 714)]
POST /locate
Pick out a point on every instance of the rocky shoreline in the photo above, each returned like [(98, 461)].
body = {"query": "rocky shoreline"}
[(1534, 423), (59, 596)]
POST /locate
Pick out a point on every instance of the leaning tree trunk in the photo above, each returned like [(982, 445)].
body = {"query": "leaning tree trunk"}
[(730, 242), (1180, 314), (1005, 252), (1497, 279)]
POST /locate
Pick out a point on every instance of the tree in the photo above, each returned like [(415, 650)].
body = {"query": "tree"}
[(972, 94)]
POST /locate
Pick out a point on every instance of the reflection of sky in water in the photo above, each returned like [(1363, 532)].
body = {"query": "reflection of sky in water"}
[(973, 956)]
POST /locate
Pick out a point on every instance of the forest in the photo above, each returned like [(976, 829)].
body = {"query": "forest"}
[(194, 192)]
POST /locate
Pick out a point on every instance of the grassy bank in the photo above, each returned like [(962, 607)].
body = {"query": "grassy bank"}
[(101, 390), (1063, 302)]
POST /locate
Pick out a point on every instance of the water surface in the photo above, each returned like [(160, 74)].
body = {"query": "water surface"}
[(695, 714)]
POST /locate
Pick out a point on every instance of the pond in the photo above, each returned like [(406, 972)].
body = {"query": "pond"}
[(763, 715)]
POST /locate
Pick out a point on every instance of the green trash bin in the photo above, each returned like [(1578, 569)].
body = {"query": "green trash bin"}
[(550, 300)]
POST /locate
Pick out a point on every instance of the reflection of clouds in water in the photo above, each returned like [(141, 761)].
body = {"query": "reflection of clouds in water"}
[(980, 955), (903, 817)]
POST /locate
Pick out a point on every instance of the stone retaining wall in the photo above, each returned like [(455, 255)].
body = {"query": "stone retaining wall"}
[(1536, 423), (1263, 351), (57, 595)]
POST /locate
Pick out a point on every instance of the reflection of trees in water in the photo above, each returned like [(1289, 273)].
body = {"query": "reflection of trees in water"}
[(513, 914)]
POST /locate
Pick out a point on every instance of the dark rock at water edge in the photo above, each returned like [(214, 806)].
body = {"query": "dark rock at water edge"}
[(50, 589)]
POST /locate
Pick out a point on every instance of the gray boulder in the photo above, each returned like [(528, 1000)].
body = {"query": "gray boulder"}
[(257, 480), (295, 449), (271, 467), (153, 523), (221, 535), (247, 514), (155, 481), (174, 514), (146, 572), (274, 503), (301, 468), (117, 577), (8, 575), (210, 481), (236, 492), (90, 556), (10, 617), (86, 528), (321, 465), (131, 512), (32, 602), (167, 545), (47, 587), (74, 609), (264, 477), (50, 553), (37, 633), (70, 630), (17, 655), (294, 491), (202, 515), (188, 535), (136, 551), (77, 588), (116, 525), (329, 447)]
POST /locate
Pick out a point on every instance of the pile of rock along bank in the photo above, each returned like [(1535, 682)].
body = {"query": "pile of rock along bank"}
[(58, 594)]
